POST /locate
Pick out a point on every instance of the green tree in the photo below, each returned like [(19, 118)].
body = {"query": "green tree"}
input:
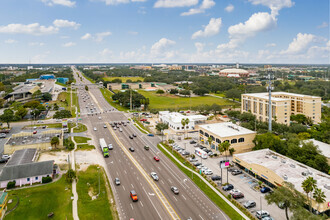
[(7, 116), (70, 175), (160, 91), (231, 151), (287, 196), (200, 91), (184, 122), (300, 118), (233, 94), (55, 141), (161, 127), (185, 92), (210, 140), (319, 196), (308, 185), (62, 114), (36, 94), (46, 96), (174, 91), (21, 112), (86, 87), (225, 145)]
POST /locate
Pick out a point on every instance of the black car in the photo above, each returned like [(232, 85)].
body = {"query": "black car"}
[(228, 187), (197, 164), (3, 160), (131, 149), (192, 142), (236, 172), (130, 137), (215, 178)]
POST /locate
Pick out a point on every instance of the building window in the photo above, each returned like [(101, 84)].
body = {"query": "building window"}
[(212, 137), (200, 131), (36, 178), (313, 117), (182, 127), (206, 134), (285, 120), (28, 179), (313, 113), (234, 141), (177, 128), (240, 140), (285, 113), (217, 140)]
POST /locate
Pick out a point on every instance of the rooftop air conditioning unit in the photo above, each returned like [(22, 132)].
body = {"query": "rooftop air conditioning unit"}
[(292, 165), (283, 161), (305, 173), (285, 177), (327, 186), (275, 157)]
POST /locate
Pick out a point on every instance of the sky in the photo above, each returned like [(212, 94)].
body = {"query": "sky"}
[(164, 31)]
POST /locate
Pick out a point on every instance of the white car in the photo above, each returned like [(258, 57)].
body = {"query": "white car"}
[(208, 172), (154, 176), (234, 191), (105, 126), (95, 129), (100, 118)]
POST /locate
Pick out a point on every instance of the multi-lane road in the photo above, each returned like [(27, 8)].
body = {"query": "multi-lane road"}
[(156, 200)]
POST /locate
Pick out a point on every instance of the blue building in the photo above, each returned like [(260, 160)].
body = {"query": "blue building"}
[(47, 77), (62, 80)]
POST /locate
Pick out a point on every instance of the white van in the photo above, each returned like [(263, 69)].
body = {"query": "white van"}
[(120, 129)]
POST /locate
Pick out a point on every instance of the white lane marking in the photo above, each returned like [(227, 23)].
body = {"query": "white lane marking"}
[(159, 168), (125, 172), (201, 217), (175, 198), (117, 173), (152, 202), (137, 177), (184, 197), (131, 206), (162, 181), (169, 180), (132, 186), (124, 187), (141, 203)]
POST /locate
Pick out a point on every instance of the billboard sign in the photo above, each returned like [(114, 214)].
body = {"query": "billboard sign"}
[(224, 163)]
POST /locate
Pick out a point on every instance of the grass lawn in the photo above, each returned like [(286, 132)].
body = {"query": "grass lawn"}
[(61, 84), (55, 125), (80, 128), (89, 79), (85, 147), (38, 202), (180, 103), (107, 95), (142, 126), (87, 186), (75, 101), (232, 214), (81, 140), (123, 79)]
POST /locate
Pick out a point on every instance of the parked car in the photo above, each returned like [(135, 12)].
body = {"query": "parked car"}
[(267, 218), (133, 196), (233, 191), (265, 189), (193, 159), (208, 172), (156, 158), (228, 187), (3, 160), (262, 214), (2, 135), (238, 195), (117, 181), (151, 135), (95, 129), (192, 142), (34, 132), (154, 176), (175, 190), (236, 172), (131, 149), (134, 135), (249, 204), (130, 137), (196, 164), (146, 147), (215, 178)]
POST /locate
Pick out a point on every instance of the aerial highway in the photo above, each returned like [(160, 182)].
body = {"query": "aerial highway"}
[(156, 199)]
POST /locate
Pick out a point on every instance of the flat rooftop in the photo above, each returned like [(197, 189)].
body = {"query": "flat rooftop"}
[(323, 147), (287, 168), (177, 117), (226, 129), (22, 157), (264, 95)]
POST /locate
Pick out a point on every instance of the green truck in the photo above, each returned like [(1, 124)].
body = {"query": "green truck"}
[(104, 148)]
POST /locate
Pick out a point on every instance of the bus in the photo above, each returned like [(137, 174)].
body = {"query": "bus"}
[(104, 148)]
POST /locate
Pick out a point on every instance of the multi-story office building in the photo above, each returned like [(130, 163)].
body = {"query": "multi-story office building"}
[(284, 105)]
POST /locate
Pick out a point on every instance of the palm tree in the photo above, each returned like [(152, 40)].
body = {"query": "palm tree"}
[(184, 122), (209, 139), (55, 141), (308, 185), (231, 151), (225, 147), (319, 197)]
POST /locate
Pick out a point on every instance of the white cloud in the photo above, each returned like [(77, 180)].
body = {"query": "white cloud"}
[(86, 36), (105, 52), (33, 29), (230, 8), (69, 44), (271, 45), (274, 5), (206, 4), (60, 23), (161, 48), (211, 29), (98, 37), (258, 22), (67, 3), (323, 25), (175, 3), (36, 44), (117, 2), (142, 10), (10, 41), (299, 44), (199, 46)]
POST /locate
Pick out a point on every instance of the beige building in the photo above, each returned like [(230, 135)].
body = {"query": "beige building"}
[(241, 139), (284, 105), (273, 169)]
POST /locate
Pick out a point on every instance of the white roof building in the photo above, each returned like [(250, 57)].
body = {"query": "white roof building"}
[(323, 147), (226, 129), (173, 119)]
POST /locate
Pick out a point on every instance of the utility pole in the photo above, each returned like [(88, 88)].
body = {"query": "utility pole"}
[(270, 88)]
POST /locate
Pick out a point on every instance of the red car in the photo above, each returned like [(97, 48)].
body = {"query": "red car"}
[(156, 158), (143, 119), (34, 132)]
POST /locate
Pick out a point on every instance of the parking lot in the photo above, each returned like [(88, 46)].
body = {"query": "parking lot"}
[(243, 182)]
